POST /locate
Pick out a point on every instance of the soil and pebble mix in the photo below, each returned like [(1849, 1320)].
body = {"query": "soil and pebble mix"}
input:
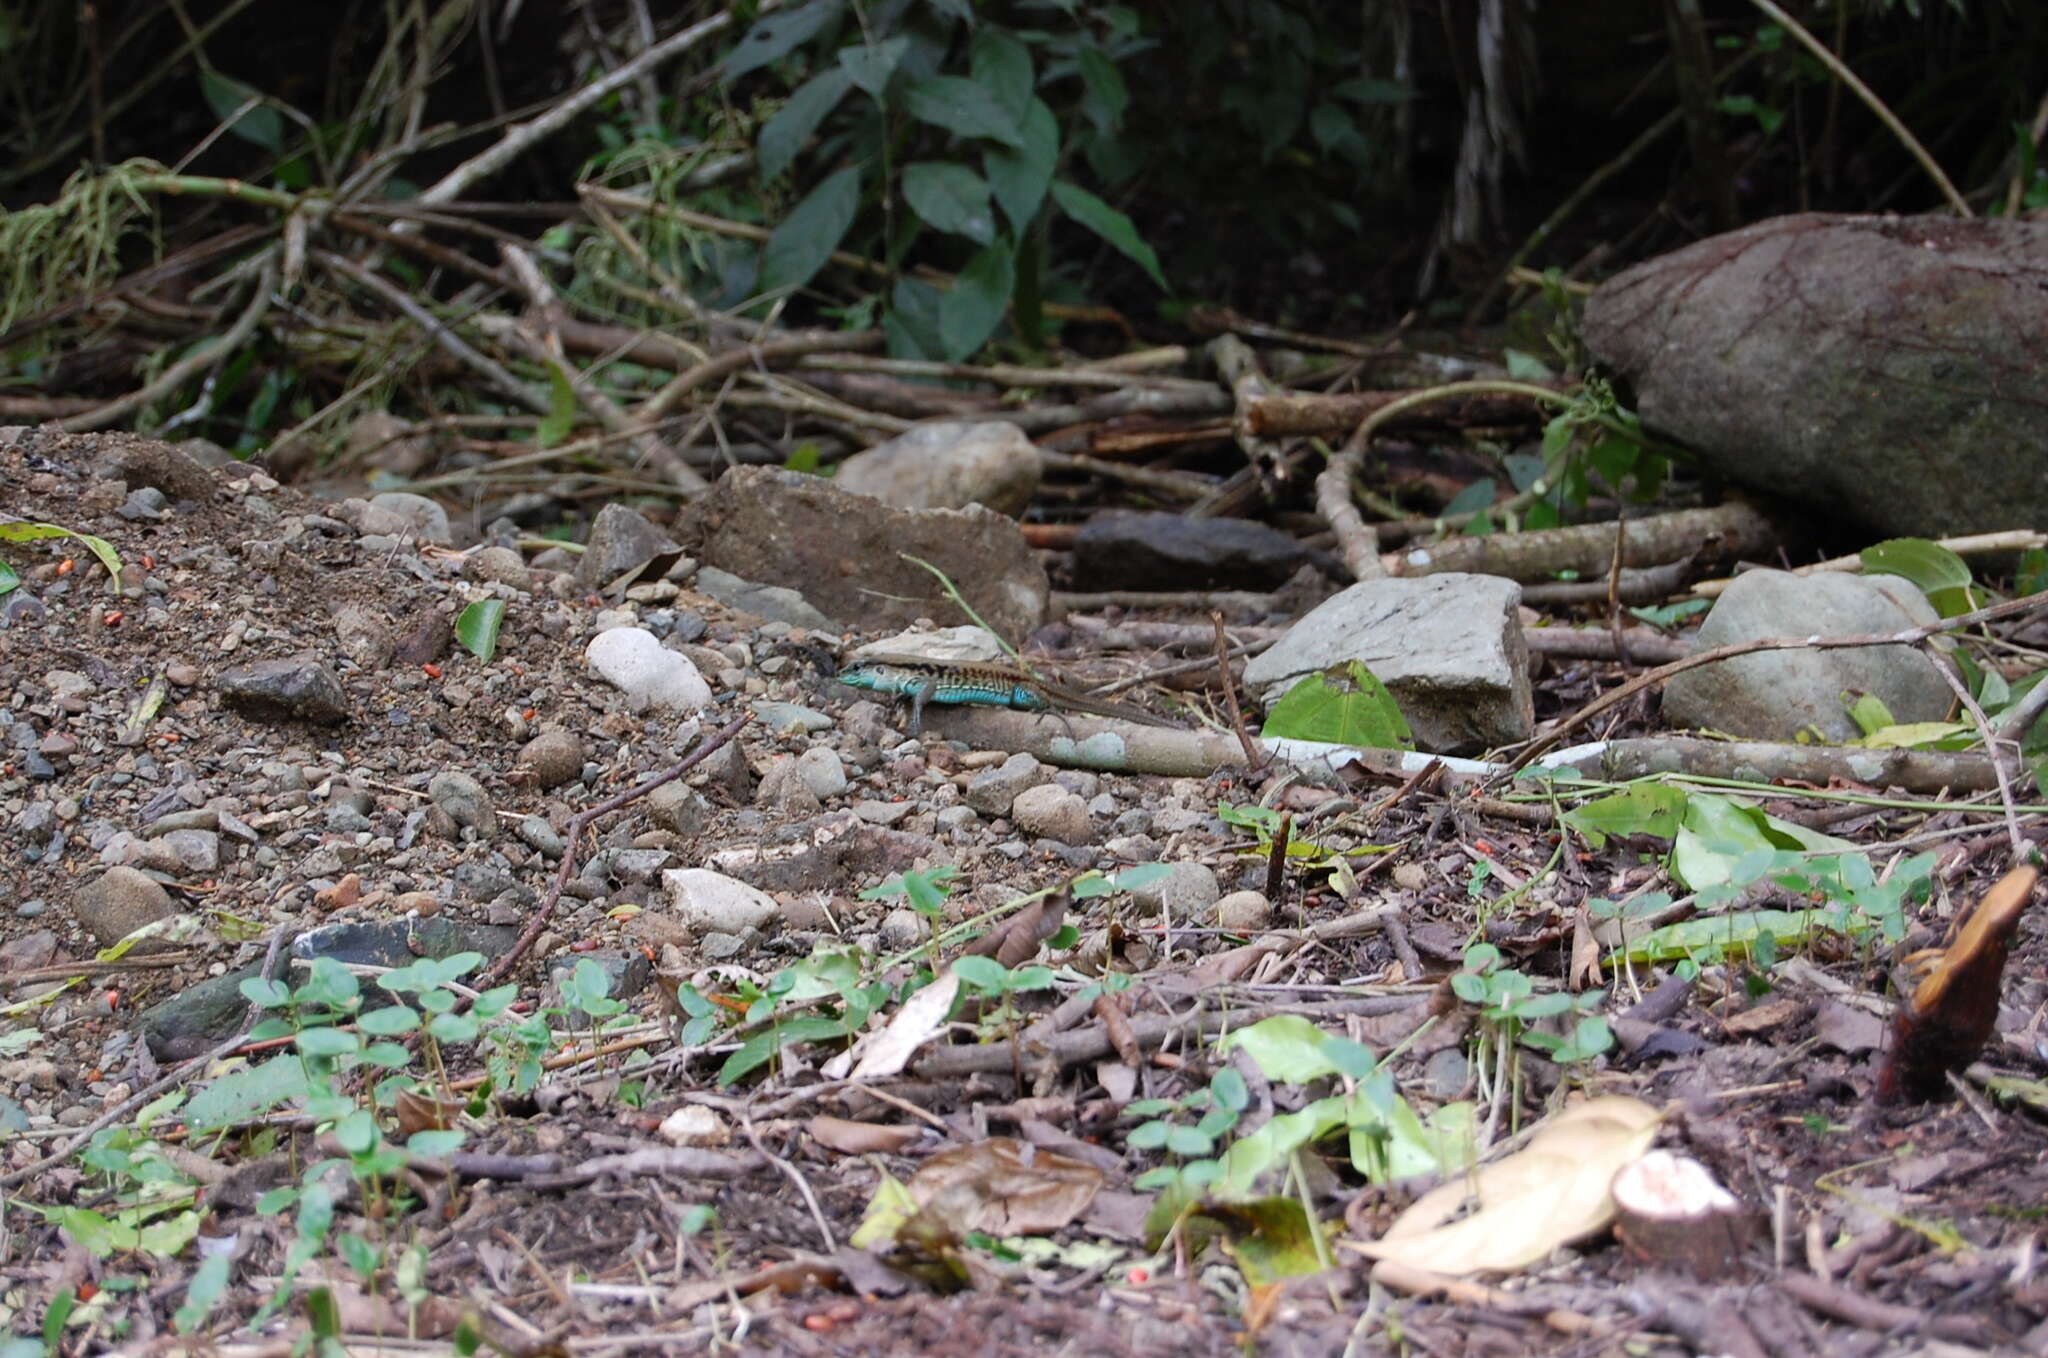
[(269, 733)]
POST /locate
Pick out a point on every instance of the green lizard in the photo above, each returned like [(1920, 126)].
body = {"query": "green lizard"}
[(983, 684)]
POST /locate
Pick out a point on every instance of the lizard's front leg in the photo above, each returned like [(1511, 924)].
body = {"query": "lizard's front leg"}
[(919, 696)]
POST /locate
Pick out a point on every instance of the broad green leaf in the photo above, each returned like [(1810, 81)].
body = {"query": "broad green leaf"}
[(963, 108), (1941, 575), (18, 530), (1922, 735), (1268, 1149), (951, 197), (756, 1050), (777, 35), (1719, 832), (1732, 933), (980, 298), (9, 581), (912, 323), (247, 1093), (1020, 175), (1286, 1047), (1001, 64), (1645, 809), (783, 135), (209, 1281), (870, 65), (807, 237), (1345, 705), (476, 627), (1106, 222), (983, 973), (261, 125), (1107, 95)]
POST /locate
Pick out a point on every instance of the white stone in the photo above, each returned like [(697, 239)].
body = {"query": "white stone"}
[(710, 902), (634, 660)]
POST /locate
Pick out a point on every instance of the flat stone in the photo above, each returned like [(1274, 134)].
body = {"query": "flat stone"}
[(118, 902), (299, 688), (1448, 647), (948, 465)]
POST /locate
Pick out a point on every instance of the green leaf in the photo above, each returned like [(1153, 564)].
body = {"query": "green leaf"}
[(17, 530), (247, 1093), (951, 197), (980, 298), (9, 581), (1287, 1048), (783, 135), (1731, 933), (209, 1281), (1001, 64), (983, 973), (1941, 575), (1645, 809), (1021, 174), (807, 237), (390, 1021), (434, 1142), (261, 125), (962, 107), (777, 35), (1106, 222), (757, 1050), (476, 627), (870, 65), (1108, 97), (1344, 705), (357, 1132), (328, 1042), (554, 426)]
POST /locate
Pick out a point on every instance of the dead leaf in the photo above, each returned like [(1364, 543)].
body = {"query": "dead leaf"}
[(1017, 941), (1005, 1187), (922, 1016), (861, 1138), (1763, 1018), (1550, 1193)]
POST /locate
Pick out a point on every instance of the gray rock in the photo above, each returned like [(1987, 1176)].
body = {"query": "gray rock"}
[(1775, 695), (888, 813), (118, 902), (1053, 812), (364, 636), (679, 809), (783, 787), (144, 505), (1121, 550), (791, 717), (710, 902), (198, 818), (773, 602), (903, 929), (397, 513), (549, 760), (947, 465), (620, 541), (499, 566), (537, 834), (846, 552), (195, 851), (1448, 647), (1244, 912), (1882, 369), (822, 772), (993, 790), (1186, 893), (464, 802), (299, 688)]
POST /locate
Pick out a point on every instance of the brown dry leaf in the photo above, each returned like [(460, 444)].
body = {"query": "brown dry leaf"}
[(861, 1138), (1550, 1193), (1585, 969), (419, 1112), (1005, 1187), (1017, 942)]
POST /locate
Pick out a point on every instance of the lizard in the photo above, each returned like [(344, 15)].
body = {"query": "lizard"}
[(983, 683)]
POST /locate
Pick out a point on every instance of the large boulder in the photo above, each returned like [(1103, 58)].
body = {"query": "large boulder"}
[(1885, 370)]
